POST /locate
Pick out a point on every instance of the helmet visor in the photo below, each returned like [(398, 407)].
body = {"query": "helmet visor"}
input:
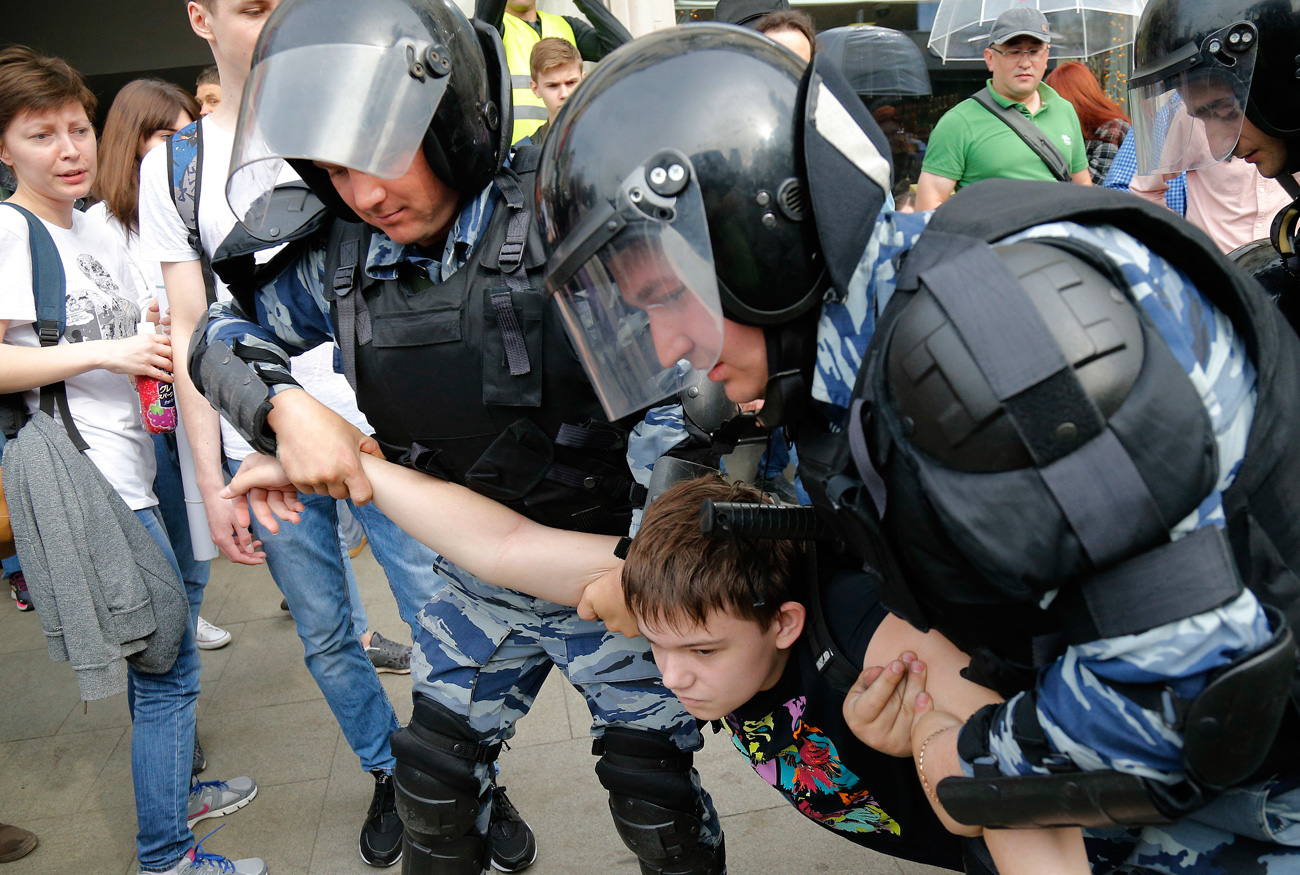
[(357, 106), (1191, 115), (638, 291)]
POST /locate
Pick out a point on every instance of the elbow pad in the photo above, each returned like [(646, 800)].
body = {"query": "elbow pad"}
[(232, 387)]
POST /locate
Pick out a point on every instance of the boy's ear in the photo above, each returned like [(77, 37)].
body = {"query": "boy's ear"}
[(199, 20), (789, 621), (532, 83)]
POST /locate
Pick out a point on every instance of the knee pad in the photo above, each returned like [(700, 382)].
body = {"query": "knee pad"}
[(439, 796), (655, 805)]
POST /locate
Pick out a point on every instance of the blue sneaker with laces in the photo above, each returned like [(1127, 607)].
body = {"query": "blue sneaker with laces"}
[(199, 862)]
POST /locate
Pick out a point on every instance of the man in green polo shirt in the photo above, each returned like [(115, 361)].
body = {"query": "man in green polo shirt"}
[(970, 143)]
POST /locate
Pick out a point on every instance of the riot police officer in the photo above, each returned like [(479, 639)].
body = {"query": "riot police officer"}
[(394, 113), (1025, 417)]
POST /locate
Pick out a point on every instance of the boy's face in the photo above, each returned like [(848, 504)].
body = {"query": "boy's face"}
[(231, 27), (715, 668), (554, 84)]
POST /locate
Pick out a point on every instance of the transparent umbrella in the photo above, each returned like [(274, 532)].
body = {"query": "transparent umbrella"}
[(1081, 28)]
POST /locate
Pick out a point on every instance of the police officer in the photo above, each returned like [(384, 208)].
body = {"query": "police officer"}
[(1214, 80), (1037, 443), (396, 114)]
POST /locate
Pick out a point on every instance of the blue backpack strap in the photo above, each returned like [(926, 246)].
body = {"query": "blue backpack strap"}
[(185, 179), (49, 289)]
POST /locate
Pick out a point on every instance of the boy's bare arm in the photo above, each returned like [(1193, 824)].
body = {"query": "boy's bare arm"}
[(482, 536)]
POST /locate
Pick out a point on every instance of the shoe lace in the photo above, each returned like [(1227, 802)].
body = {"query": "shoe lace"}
[(503, 810), (198, 786), (203, 858), (379, 802)]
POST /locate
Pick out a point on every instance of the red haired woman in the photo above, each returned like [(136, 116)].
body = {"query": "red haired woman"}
[(1104, 123)]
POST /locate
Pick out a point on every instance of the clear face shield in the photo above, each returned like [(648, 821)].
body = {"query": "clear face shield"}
[(637, 288), (358, 106), (1188, 113)]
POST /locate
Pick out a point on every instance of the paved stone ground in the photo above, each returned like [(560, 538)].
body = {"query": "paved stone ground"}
[(65, 771)]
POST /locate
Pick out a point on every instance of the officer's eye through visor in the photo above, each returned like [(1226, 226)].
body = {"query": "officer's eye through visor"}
[(637, 288), (357, 106), (1188, 108)]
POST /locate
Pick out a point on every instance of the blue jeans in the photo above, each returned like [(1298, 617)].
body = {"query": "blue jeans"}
[(309, 566), (162, 741), (170, 490)]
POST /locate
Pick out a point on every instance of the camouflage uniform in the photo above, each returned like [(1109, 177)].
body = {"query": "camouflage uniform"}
[(1084, 719), (480, 650)]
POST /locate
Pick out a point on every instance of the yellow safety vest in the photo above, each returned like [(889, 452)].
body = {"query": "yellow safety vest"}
[(519, 39)]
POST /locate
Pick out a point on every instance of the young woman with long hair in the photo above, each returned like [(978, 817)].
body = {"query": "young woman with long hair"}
[(47, 141), (1104, 124), (143, 115)]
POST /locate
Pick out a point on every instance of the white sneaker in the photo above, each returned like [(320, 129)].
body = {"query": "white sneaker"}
[(210, 637)]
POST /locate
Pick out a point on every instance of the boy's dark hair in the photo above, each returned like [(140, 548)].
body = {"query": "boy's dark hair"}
[(209, 76), (35, 83), (790, 19), (676, 575)]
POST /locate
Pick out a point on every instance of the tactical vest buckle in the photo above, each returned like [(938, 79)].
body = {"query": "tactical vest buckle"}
[(512, 253)]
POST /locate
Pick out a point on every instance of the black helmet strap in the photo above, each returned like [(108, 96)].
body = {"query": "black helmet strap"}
[(791, 349)]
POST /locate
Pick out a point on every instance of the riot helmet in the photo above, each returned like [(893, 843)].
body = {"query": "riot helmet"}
[(677, 191), (364, 86), (1201, 69)]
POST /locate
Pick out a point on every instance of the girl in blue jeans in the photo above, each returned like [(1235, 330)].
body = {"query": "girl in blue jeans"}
[(47, 140)]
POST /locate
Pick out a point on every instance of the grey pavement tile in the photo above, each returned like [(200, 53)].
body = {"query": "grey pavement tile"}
[(266, 669), (103, 714), (53, 777), (93, 841), (37, 694), (280, 826), (251, 594), (783, 840), (214, 662), (398, 688), (274, 744), (344, 809), (19, 630), (113, 785)]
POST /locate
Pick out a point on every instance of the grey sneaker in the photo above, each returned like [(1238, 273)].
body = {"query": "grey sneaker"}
[(389, 656), (219, 798), (199, 862)]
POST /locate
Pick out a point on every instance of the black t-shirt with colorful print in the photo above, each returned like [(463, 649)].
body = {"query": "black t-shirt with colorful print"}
[(796, 739)]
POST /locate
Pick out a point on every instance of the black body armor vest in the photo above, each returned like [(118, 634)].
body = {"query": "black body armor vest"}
[(473, 379), (1263, 530)]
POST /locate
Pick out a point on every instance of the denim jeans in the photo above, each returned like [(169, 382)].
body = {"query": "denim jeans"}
[(162, 741), (309, 566), (170, 490)]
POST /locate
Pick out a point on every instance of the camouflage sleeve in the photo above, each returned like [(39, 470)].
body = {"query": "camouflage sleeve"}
[(662, 429), (1081, 716), (292, 316)]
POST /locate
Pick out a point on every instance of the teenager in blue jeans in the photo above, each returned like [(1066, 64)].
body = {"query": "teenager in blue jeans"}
[(46, 138)]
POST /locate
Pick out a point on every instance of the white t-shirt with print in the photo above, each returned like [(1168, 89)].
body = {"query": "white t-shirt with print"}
[(164, 238), (103, 301)]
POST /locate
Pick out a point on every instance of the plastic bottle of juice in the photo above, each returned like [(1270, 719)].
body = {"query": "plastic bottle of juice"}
[(157, 399)]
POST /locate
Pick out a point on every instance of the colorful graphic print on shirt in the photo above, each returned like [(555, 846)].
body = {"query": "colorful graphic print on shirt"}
[(805, 766)]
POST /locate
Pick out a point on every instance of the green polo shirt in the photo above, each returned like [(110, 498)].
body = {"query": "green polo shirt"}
[(970, 143)]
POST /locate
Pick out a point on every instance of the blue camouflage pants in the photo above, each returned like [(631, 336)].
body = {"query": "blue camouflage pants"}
[(483, 652)]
